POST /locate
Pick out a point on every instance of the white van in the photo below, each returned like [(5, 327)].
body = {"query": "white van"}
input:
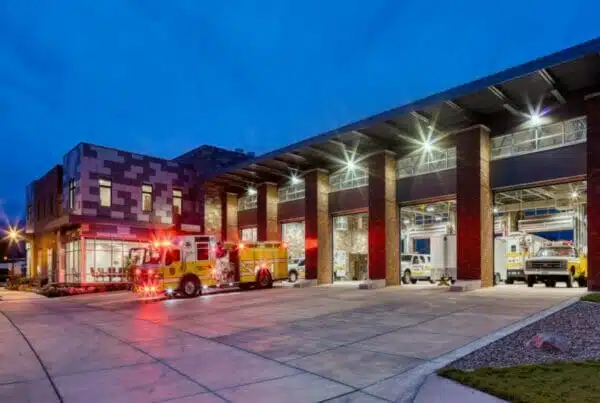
[(415, 267)]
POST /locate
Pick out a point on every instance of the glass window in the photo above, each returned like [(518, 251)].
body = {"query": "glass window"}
[(247, 202), (249, 234), (348, 179), (173, 255), (106, 260), (202, 251), (416, 260), (292, 192), (72, 258), (177, 195), (540, 138), (423, 163), (406, 258), (105, 192), (72, 188), (146, 198)]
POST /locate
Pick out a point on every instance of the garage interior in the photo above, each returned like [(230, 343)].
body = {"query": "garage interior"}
[(527, 219), (429, 230), (350, 247)]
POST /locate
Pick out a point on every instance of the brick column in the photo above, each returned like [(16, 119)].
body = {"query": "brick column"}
[(592, 106), (60, 258), (211, 207), (229, 216), (266, 213), (383, 220), (318, 237), (474, 210)]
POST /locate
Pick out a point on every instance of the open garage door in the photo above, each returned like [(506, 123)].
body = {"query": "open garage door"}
[(540, 235), (428, 242)]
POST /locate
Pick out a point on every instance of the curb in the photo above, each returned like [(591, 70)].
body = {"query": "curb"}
[(418, 376)]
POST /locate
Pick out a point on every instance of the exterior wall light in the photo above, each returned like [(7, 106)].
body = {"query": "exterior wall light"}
[(251, 191)]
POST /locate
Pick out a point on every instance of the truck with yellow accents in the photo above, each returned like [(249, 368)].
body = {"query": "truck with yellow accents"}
[(557, 261), (188, 264)]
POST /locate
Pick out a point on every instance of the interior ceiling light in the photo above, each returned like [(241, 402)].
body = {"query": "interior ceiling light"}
[(406, 221), (429, 209), (574, 195), (438, 218), (351, 165), (251, 191), (495, 210), (295, 180)]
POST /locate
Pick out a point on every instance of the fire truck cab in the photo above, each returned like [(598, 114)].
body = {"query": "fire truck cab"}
[(189, 264)]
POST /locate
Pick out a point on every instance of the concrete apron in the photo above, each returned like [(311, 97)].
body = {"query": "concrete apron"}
[(408, 386)]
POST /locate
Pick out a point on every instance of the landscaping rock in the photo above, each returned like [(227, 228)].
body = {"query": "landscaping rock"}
[(578, 323), (548, 341)]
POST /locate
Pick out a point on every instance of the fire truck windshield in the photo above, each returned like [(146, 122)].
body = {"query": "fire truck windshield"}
[(153, 255)]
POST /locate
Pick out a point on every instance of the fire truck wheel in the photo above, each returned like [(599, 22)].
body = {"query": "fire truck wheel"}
[(293, 276), (264, 279), (190, 286), (509, 281), (530, 281), (581, 281)]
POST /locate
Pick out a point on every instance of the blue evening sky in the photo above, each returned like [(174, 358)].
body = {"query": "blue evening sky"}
[(161, 77)]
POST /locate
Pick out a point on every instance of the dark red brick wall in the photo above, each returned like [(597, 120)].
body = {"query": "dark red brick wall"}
[(349, 200), (247, 218), (291, 210), (593, 191), (473, 206)]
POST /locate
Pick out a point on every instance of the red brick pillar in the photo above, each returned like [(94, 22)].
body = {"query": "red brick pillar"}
[(212, 208), (229, 225), (592, 106), (383, 219), (318, 237), (266, 213), (474, 209)]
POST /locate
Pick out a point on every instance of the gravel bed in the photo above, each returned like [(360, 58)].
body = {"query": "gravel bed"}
[(578, 324)]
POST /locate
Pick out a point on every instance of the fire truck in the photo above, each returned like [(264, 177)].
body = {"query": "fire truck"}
[(188, 264)]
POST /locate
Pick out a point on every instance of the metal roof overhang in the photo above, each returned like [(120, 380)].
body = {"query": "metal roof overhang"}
[(502, 102)]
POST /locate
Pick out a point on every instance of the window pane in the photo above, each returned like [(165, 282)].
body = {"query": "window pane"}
[(177, 205), (104, 182), (177, 193), (105, 198), (147, 188), (146, 202)]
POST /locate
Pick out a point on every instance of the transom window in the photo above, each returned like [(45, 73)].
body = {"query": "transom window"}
[(348, 179), (146, 198), (247, 202), (423, 163), (291, 192), (105, 192), (540, 138)]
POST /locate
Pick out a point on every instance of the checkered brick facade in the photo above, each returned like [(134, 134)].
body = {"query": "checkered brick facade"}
[(87, 164)]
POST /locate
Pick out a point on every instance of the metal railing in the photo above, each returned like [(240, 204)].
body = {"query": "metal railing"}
[(292, 192), (348, 179), (540, 138), (424, 163)]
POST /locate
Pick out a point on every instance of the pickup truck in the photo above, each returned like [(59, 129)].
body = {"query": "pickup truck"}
[(556, 262)]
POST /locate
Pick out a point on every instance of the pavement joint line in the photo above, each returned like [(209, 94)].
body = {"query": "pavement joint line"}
[(166, 364), (220, 342), (422, 372), (60, 398), (186, 396), (329, 399), (216, 341)]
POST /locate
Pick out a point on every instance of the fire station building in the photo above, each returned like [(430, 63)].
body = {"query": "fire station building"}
[(471, 180)]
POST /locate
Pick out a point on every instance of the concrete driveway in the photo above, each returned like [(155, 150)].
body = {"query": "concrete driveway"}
[(284, 344)]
